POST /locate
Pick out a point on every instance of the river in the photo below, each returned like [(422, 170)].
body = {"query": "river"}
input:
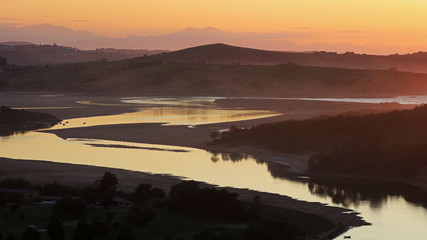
[(394, 212)]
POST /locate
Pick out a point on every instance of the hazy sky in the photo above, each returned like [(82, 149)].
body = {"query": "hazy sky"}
[(392, 22)]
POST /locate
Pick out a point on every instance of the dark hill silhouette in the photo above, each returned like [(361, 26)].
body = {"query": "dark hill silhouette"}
[(226, 54), (149, 75), (391, 143)]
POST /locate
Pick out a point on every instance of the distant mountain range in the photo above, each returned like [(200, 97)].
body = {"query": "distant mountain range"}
[(189, 37)]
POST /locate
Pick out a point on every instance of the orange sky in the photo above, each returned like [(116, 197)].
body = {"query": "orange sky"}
[(392, 22)]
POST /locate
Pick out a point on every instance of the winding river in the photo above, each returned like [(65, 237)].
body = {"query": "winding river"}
[(394, 212)]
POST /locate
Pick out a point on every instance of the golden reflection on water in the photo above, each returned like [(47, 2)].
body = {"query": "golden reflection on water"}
[(169, 116), (189, 162), (218, 169), (395, 219)]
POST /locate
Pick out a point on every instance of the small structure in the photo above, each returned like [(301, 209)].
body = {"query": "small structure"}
[(25, 195), (121, 202)]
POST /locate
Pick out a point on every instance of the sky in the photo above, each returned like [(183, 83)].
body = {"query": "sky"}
[(365, 22)]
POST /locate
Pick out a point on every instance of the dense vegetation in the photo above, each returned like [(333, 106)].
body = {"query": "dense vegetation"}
[(393, 143), (13, 120), (189, 212)]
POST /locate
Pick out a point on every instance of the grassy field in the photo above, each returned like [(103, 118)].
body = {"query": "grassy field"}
[(166, 224)]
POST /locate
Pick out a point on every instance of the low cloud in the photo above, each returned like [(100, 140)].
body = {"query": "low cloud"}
[(10, 24), (79, 20), (8, 19)]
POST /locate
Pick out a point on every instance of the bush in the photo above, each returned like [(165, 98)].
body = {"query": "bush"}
[(82, 231), (15, 183), (75, 207), (274, 228), (188, 196), (55, 230), (139, 217), (31, 234), (99, 229)]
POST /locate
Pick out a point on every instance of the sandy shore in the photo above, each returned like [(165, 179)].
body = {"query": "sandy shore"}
[(66, 106)]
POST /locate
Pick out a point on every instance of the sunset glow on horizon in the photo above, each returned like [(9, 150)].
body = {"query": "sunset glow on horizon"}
[(394, 22)]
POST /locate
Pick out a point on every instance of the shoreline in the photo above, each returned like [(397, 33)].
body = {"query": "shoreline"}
[(176, 135), (39, 172)]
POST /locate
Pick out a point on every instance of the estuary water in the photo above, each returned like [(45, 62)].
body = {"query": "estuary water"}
[(395, 212)]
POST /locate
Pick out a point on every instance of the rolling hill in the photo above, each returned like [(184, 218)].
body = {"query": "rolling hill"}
[(226, 54), (155, 77), (215, 70), (23, 53)]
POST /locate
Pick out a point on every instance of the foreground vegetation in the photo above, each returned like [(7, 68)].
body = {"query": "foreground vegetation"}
[(14, 120), (393, 143), (188, 212)]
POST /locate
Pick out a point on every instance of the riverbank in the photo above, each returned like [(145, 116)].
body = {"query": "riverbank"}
[(38, 172), (198, 136)]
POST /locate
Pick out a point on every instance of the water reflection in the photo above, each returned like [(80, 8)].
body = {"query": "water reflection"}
[(345, 192), (276, 170), (168, 116), (351, 193), (383, 205), (172, 101), (235, 170)]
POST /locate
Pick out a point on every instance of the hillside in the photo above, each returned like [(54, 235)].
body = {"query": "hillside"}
[(391, 143), (226, 54), (12, 120), (22, 53), (141, 76)]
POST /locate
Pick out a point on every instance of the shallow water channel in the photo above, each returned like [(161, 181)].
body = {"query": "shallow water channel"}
[(394, 211)]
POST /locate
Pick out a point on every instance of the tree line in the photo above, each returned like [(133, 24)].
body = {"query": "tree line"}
[(393, 143)]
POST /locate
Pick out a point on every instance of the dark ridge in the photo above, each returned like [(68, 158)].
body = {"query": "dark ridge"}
[(225, 54), (393, 143), (14, 120)]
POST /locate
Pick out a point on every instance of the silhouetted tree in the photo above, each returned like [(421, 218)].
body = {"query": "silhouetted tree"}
[(82, 231), (10, 236), (139, 216), (99, 229), (108, 182), (142, 192), (55, 230), (106, 187), (75, 207), (30, 234), (145, 191), (126, 236), (157, 192)]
